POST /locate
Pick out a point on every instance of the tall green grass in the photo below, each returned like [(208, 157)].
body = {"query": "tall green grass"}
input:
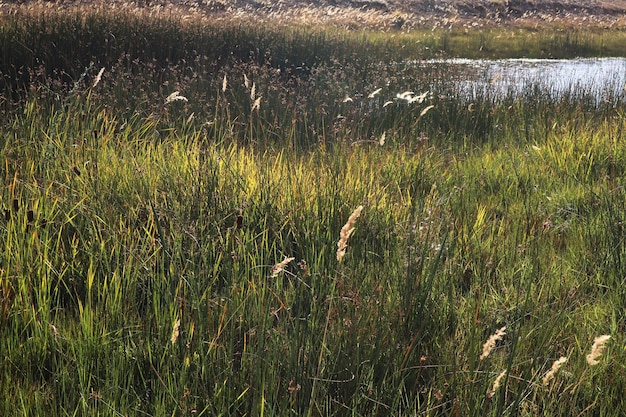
[(139, 240)]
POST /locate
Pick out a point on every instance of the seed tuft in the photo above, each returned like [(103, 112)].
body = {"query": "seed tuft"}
[(346, 231), (490, 344), (597, 349)]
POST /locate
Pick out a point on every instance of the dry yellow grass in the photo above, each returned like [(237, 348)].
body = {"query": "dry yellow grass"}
[(389, 16)]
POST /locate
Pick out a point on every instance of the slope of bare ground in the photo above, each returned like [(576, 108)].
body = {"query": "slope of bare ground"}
[(376, 14)]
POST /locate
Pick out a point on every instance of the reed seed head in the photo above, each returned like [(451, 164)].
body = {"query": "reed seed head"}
[(555, 368), (175, 96), (257, 104), (426, 109), (597, 349), (345, 233), (374, 93), (96, 80), (496, 384), (490, 344), (405, 95), (175, 331), (278, 268)]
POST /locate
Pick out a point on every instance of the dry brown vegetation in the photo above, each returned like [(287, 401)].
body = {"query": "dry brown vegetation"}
[(374, 14)]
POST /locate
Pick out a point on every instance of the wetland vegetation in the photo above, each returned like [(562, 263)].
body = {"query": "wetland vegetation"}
[(202, 217)]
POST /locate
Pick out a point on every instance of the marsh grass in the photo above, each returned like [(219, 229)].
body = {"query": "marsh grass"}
[(141, 272)]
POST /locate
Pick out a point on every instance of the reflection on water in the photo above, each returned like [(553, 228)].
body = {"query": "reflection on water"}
[(604, 79)]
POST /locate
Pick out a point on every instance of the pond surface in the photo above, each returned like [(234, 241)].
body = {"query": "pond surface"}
[(602, 79)]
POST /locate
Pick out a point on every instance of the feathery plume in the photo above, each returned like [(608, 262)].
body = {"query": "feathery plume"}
[(381, 141), (406, 95), (491, 342), (426, 110), (419, 99), (387, 103), (347, 99), (246, 82), (253, 91), (174, 337), (96, 80), (374, 93), (175, 96), (278, 268), (555, 368), (346, 231), (597, 349), (257, 104), (224, 84), (496, 384)]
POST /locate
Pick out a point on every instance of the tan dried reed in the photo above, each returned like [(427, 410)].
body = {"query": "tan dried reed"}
[(490, 344), (597, 349), (374, 93), (175, 96), (96, 80), (346, 231), (253, 92), (426, 109), (257, 104), (279, 267), (175, 331), (555, 368), (496, 384)]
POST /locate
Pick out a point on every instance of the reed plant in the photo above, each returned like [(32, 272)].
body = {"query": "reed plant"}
[(188, 256)]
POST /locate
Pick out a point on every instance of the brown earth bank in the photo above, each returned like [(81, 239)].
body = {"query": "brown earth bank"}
[(373, 14)]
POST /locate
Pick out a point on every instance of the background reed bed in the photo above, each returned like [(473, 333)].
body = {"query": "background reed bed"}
[(180, 257)]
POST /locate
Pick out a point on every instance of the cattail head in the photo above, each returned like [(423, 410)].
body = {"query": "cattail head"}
[(555, 368), (346, 231), (597, 349), (490, 344)]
